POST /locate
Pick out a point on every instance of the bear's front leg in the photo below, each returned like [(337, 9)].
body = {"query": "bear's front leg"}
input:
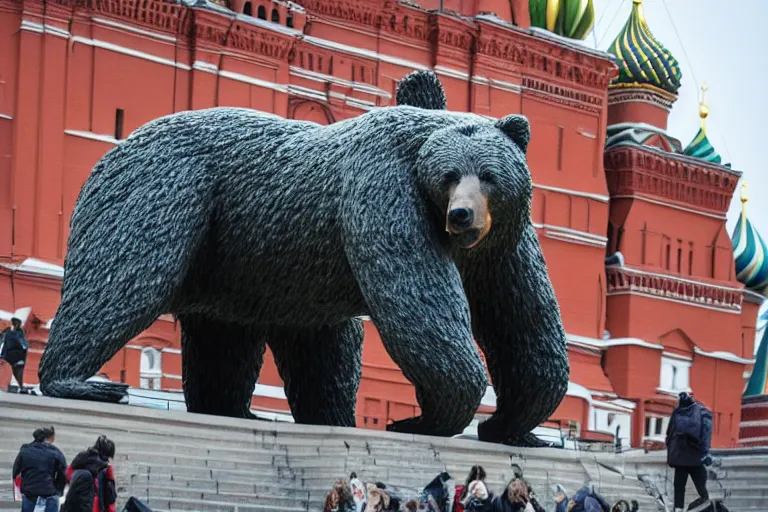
[(516, 321), (416, 299)]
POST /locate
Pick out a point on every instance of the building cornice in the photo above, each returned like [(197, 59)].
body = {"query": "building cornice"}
[(541, 67), (635, 171), (623, 280), (620, 93)]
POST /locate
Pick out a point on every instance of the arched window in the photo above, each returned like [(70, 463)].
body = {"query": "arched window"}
[(261, 12), (248, 9), (275, 16), (151, 369)]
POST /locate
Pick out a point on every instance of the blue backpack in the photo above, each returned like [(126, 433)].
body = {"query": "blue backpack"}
[(688, 423)]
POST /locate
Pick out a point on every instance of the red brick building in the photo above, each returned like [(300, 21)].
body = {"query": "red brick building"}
[(76, 76)]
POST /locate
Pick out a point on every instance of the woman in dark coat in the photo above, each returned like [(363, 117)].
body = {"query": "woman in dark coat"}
[(688, 441), (15, 350)]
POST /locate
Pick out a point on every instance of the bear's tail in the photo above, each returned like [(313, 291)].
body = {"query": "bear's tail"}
[(421, 89)]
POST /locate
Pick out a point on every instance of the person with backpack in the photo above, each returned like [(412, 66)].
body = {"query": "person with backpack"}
[(95, 463), (14, 351), (477, 473), (41, 467), (688, 442)]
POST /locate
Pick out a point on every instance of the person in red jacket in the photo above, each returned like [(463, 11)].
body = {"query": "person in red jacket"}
[(97, 460)]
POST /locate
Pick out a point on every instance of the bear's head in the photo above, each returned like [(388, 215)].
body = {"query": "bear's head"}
[(476, 176)]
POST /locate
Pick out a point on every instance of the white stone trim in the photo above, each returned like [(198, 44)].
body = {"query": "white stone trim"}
[(677, 356), (6, 116), (723, 356), (322, 77), (451, 72), (497, 84), (31, 26), (754, 423), (749, 295), (608, 406), (93, 136), (169, 350), (129, 51), (597, 197), (612, 342), (21, 313), (761, 439), (37, 267), (572, 235), (755, 405), (201, 65)]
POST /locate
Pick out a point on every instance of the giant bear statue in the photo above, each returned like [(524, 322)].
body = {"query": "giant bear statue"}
[(255, 230)]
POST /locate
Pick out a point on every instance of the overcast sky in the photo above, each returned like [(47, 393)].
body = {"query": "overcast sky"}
[(722, 44)]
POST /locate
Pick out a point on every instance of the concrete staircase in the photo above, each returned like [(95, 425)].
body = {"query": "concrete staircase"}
[(181, 461)]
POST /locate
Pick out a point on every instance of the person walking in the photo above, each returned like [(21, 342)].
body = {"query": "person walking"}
[(15, 351), (42, 468), (688, 442), (96, 461)]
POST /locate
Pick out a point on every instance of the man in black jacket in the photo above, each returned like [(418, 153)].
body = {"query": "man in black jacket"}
[(688, 440), (42, 467)]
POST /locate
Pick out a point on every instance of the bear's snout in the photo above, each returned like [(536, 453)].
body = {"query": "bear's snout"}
[(460, 218), (468, 219)]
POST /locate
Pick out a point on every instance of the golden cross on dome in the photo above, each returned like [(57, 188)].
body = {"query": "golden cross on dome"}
[(703, 108), (744, 197)]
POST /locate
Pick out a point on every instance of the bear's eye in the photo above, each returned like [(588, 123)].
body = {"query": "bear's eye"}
[(451, 177), (487, 177)]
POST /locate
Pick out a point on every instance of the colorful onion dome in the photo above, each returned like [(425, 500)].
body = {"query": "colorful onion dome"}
[(642, 59), (750, 251), (568, 18), (758, 381), (700, 147)]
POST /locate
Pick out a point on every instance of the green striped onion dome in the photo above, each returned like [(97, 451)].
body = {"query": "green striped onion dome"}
[(700, 147), (568, 18), (758, 381), (750, 252), (641, 58)]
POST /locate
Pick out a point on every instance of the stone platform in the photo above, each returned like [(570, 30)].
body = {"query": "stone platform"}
[(182, 461)]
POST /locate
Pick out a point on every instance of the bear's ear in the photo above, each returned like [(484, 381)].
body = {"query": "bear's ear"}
[(421, 89), (517, 128)]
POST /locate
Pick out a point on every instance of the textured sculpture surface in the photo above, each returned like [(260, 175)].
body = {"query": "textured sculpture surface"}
[(257, 230)]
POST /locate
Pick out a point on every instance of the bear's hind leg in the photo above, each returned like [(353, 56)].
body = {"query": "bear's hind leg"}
[(321, 370), (135, 230), (84, 338), (220, 365)]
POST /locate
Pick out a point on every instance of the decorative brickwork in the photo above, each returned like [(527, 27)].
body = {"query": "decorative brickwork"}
[(621, 94), (635, 171)]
